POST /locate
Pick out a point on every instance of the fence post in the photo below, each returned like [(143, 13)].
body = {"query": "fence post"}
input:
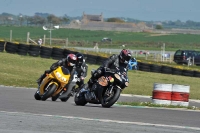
[(189, 61), (44, 39), (27, 39), (170, 58), (193, 61), (10, 35), (66, 42), (158, 57)]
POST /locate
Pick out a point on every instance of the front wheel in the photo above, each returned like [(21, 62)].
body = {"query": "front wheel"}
[(54, 98), (37, 95), (79, 99), (108, 100), (49, 91)]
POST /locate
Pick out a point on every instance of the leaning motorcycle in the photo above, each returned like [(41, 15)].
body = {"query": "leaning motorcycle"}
[(105, 91), (54, 83)]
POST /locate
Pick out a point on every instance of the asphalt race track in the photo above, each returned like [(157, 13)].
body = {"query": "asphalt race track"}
[(21, 113)]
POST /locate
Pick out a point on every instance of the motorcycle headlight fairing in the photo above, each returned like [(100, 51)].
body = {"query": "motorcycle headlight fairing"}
[(64, 79), (58, 74), (118, 77), (126, 84)]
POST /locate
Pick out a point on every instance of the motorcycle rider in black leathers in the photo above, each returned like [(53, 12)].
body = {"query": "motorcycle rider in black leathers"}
[(81, 69), (110, 64)]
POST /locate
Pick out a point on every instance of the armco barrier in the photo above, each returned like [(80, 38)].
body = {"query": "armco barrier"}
[(170, 94)]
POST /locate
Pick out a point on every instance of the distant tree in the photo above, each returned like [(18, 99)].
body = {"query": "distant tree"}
[(3, 19), (159, 27), (178, 23), (190, 23), (37, 20), (115, 20), (20, 19), (26, 20), (65, 20), (52, 19), (44, 15)]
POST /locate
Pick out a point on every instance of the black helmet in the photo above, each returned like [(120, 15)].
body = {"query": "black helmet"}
[(125, 56), (80, 58), (71, 58)]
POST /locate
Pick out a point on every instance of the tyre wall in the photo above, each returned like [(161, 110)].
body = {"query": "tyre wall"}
[(59, 53), (167, 70)]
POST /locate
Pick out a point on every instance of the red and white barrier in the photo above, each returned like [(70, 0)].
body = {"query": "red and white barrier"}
[(180, 95), (162, 93), (171, 94)]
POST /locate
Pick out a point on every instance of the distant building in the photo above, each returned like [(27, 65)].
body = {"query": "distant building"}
[(96, 22), (88, 18), (10, 18)]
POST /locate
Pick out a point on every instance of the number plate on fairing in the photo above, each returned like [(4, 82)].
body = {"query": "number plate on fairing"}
[(103, 81)]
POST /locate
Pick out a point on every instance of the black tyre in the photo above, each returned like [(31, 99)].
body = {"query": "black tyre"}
[(66, 95), (176, 71), (196, 74), (54, 98), (79, 99), (155, 68), (91, 59), (144, 67), (37, 95), (34, 53), (166, 70), (107, 102), (188, 73), (45, 56), (50, 90), (45, 52), (64, 99)]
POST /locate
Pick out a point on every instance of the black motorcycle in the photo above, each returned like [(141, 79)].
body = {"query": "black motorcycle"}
[(105, 91)]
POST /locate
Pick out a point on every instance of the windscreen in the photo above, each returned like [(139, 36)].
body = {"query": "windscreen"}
[(65, 70), (179, 52)]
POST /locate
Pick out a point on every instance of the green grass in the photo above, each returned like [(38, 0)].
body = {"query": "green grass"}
[(23, 71), (149, 104), (145, 41)]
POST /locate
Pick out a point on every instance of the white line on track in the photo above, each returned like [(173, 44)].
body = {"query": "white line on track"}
[(107, 120)]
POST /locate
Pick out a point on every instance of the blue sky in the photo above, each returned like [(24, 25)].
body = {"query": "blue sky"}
[(155, 10)]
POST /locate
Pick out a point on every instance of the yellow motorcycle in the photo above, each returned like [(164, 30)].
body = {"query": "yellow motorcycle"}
[(54, 83)]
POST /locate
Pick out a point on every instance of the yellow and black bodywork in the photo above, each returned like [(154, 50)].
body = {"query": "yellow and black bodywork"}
[(55, 80)]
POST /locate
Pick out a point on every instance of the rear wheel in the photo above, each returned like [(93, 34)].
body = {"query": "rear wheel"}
[(108, 100), (49, 91), (68, 93)]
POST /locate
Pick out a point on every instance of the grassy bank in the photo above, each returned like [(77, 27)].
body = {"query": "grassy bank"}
[(23, 71)]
